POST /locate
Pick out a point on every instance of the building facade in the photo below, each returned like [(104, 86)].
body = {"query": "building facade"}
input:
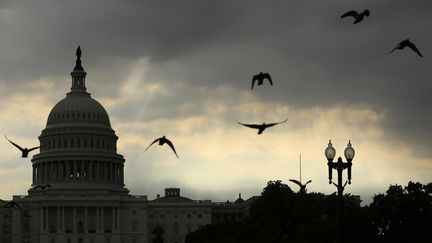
[(78, 193)]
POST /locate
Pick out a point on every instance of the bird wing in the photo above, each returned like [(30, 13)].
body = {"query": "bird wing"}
[(351, 13), (33, 148), (396, 47), (172, 146), (308, 182), (255, 126), (267, 76), (272, 124), (296, 182), (414, 48), (157, 139), (14, 144), (254, 78)]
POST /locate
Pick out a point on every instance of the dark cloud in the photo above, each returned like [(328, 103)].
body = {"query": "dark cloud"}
[(314, 57)]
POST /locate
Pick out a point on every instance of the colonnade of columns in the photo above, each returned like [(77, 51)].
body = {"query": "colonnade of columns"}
[(80, 219), (80, 143), (73, 170)]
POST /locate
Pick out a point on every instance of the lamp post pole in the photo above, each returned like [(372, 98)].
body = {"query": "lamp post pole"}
[(340, 166)]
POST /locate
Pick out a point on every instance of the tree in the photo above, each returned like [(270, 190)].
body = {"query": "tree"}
[(403, 214)]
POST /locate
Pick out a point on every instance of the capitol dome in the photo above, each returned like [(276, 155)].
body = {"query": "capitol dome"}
[(78, 147), (78, 108)]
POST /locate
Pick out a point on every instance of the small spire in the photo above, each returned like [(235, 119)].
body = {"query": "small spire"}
[(78, 66)]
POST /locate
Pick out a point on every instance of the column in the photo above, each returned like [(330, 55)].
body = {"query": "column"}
[(85, 220), (46, 219), (97, 219), (74, 169), (41, 220), (58, 219), (115, 179), (63, 218), (60, 175), (74, 229), (37, 173), (97, 171), (67, 164), (104, 170), (118, 217), (121, 173), (109, 171), (52, 171), (34, 174), (102, 219), (82, 169), (90, 173), (113, 219), (43, 172), (55, 173)]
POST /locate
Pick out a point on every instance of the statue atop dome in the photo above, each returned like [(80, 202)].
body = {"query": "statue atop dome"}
[(78, 66), (78, 53)]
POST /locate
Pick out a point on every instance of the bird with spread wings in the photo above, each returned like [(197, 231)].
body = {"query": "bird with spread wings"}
[(261, 127), (302, 186), (24, 151), (163, 140), (358, 17), (260, 78), (406, 43)]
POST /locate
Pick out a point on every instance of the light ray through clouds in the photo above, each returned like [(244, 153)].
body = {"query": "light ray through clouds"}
[(187, 75)]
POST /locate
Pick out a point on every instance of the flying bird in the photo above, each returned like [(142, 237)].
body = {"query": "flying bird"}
[(261, 127), (302, 186), (260, 77), (162, 141), (406, 43), (358, 17), (24, 151), (42, 187)]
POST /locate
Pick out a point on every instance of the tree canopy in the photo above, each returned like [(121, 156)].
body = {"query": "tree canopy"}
[(280, 215)]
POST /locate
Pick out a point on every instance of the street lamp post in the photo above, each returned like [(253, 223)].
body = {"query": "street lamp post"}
[(339, 165)]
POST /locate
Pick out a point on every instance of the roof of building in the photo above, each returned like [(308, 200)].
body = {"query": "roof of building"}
[(173, 199)]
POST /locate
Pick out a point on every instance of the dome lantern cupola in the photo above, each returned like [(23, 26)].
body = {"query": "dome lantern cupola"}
[(78, 75)]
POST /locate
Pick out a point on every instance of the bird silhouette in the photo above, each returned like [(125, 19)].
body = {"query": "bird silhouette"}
[(358, 17), (261, 127), (163, 140), (24, 151), (302, 186), (406, 43), (260, 77), (42, 187), (11, 204)]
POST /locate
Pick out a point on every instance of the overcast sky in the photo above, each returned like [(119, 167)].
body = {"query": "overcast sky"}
[(183, 69)]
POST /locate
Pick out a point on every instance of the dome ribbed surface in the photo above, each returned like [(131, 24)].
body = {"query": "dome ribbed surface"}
[(78, 108)]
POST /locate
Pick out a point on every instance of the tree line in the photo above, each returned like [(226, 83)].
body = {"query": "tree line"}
[(401, 214)]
